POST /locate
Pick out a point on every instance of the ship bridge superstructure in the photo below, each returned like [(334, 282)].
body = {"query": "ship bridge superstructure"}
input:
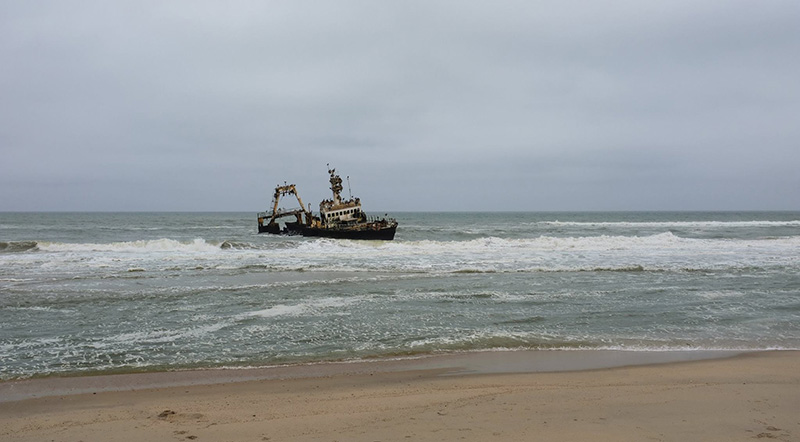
[(336, 210)]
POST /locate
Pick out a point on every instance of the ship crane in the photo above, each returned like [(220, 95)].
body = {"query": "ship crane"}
[(269, 222)]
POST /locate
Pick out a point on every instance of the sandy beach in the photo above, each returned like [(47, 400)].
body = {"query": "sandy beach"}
[(743, 397)]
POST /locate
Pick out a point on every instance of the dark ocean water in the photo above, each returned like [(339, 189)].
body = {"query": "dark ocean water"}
[(117, 292)]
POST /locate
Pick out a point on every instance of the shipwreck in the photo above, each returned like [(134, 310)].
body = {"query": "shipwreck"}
[(338, 218)]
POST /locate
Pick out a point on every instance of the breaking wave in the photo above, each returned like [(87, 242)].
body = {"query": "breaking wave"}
[(659, 252), (491, 246), (18, 246), (153, 245), (669, 224), (488, 244)]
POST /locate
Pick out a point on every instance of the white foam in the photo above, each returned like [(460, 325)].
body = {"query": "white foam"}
[(542, 243), (314, 306), (663, 251), (163, 336), (277, 310), (659, 252), (720, 294), (668, 224), (40, 309), (141, 246)]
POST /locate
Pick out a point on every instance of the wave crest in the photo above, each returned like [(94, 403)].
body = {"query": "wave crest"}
[(153, 245), (18, 246)]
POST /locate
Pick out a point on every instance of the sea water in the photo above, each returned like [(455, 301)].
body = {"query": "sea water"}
[(121, 292)]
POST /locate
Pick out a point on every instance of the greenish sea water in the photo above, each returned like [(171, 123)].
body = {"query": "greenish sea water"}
[(116, 292)]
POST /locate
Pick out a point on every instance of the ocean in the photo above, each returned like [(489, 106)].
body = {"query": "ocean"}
[(90, 293)]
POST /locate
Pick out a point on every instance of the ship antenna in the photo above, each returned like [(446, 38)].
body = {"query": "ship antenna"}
[(348, 187)]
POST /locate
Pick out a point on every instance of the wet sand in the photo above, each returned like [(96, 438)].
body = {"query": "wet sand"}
[(576, 395)]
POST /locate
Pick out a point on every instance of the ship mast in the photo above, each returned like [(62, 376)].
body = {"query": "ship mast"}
[(336, 186)]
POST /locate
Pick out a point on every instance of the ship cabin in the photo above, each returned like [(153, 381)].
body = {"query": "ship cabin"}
[(344, 213)]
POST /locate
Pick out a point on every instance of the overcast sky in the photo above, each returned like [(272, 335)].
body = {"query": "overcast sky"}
[(429, 105)]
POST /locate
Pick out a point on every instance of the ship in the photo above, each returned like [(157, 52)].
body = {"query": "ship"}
[(338, 218)]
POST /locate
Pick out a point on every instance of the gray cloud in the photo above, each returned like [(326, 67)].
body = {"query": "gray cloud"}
[(427, 105)]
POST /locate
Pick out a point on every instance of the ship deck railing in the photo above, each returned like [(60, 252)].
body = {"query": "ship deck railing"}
[(370, 219)]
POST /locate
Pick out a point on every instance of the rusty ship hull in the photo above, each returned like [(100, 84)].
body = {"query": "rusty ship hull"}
[(289, 228), (383, 233), (371, 231)]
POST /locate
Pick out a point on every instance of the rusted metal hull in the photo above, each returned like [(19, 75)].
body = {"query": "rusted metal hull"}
[(385, 233), (363, 232), (274, 228)]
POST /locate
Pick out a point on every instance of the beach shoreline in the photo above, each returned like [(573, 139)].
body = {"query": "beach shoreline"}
[(457, 363), (569, 395)]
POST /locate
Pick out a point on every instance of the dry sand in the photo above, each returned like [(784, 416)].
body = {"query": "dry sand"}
[(746, 397)]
